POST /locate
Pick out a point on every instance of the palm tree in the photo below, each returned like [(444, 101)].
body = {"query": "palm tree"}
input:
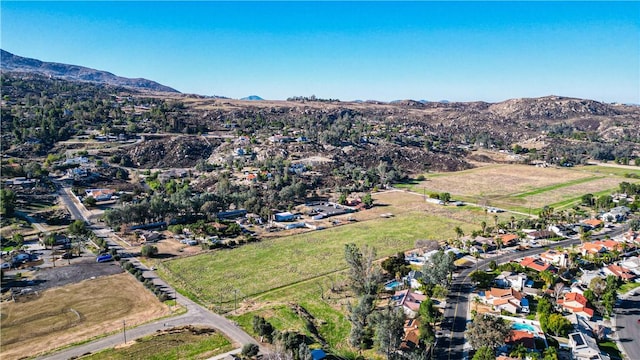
[(519, 352), (483, 225), (499, 243), (547, 277), (459, 232)]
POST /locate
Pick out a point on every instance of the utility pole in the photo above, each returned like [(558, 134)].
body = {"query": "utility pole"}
[(124, 330)]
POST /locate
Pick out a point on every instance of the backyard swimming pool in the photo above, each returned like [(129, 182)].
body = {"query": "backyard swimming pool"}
[(524, 327), (392, 285)]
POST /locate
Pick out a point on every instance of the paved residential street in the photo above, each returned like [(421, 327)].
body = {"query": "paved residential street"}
[(627, 321)]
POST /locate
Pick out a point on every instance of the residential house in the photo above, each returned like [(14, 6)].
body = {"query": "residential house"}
[(619, 272), (509, 239), (284, 216), (413, 279), (617, 214), (411, 336), (582, 344), (100, 194), (577, 304), (562, 230), (525, 338), (504, 299), (542, 234), (149, 236), (633, 264), (594, 223), (589, 275), (558, 258), (410, 301), (508, 279), (600, 246), (536, 264)]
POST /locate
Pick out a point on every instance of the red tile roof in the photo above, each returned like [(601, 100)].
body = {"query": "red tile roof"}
[(535, 264), (521, 337), (621, 272)]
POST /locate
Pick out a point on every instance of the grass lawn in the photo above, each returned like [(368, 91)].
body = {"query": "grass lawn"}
[(327, 307), (255, 268), (609, 170), (610, 348), (73, 313), (625, 288), (170, 346)]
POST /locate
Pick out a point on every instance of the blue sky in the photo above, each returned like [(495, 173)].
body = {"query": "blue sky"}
[(460, 51)]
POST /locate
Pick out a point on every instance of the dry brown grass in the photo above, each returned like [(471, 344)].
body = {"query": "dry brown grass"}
[(74, 313), (499, 180)]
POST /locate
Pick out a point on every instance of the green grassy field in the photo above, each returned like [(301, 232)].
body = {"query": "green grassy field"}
[(271, 264), (178, 346)]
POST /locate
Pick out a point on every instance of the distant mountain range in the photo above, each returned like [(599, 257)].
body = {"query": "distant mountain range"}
[(14, 63), (252, 97)]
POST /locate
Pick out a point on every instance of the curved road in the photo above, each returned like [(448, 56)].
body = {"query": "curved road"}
[(195, 315), (451, 347)]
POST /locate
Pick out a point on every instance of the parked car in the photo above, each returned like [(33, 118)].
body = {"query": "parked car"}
[(104, 258), (67, 255)]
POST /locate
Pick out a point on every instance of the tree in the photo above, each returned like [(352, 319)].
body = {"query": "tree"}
[(18, 239), (7, 202), (436, 269), (149, 251), (389, 329), (360, 335), (89, 201), (559, 325), (548, 277), (459, 232), (396, 265), (485, 353), (367, 200), (364, 277), (445, 196), (429, 313), (250, 350), (487, 330), (263, 328), (598, 285), (520, 352), (49, 240), (77, 227), (550, 353)]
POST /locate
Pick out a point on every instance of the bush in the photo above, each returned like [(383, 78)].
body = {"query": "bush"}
[(250, 350), (149, 251)]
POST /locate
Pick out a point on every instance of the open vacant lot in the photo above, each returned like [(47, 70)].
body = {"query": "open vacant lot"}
[(258, 267), (76, 312), (523, 187)]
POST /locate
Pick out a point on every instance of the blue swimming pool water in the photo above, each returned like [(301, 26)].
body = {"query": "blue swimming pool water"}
[(523, 327), (392, 285)]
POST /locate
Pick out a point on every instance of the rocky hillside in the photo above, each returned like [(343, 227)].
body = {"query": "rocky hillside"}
[(14, 63)]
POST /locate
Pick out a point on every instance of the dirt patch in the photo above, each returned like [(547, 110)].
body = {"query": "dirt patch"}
[(76, 312), (47, 278)]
